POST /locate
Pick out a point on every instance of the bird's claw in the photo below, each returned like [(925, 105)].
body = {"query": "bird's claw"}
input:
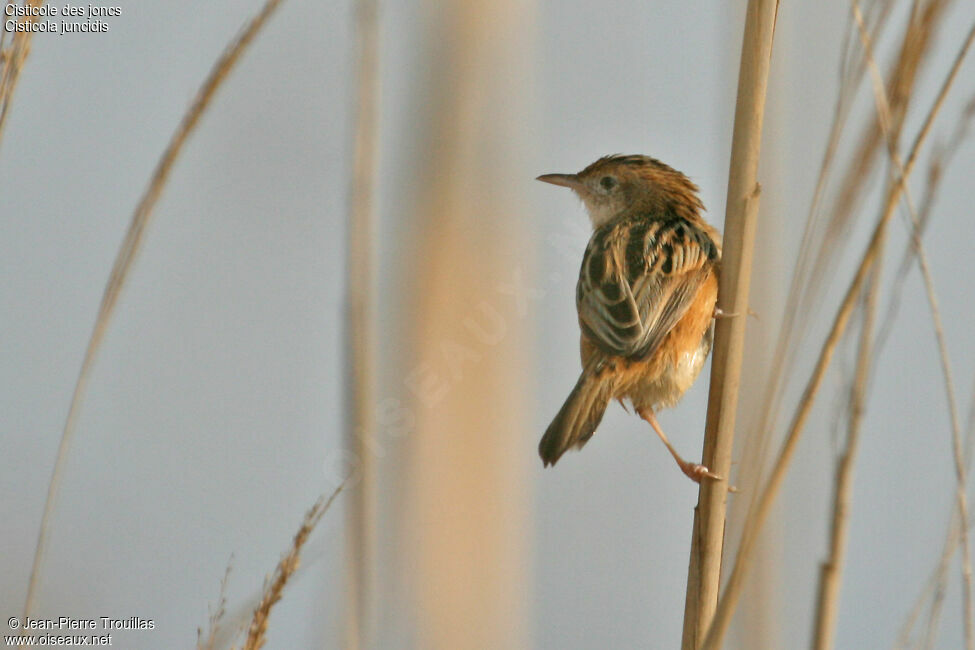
[(696, 472), (718, 313)]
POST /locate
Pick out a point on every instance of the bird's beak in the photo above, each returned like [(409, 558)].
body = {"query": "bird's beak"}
[(565, 180)]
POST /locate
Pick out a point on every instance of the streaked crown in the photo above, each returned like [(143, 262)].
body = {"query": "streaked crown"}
[(618, 185)]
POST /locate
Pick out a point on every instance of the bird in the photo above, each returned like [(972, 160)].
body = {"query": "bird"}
[(646, 298)]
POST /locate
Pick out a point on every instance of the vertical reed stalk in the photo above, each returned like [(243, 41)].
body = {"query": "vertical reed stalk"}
[(757, 517), (360, 333), (741, 215)]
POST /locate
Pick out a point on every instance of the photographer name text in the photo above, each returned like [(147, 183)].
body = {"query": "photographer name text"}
[(69, 623)]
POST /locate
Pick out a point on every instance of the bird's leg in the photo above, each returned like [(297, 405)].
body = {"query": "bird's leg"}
[(693, 470)]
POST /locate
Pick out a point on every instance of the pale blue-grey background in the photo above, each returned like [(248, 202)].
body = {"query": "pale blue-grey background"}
[(217, 393)]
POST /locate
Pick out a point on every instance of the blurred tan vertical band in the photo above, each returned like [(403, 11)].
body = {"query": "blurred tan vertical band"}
[(361, 512), (741, 213), (464, 512)]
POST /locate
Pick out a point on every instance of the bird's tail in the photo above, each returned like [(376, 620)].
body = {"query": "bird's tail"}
[(579, 416)]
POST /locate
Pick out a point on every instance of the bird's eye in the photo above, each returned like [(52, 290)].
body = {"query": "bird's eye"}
[(607, 182)]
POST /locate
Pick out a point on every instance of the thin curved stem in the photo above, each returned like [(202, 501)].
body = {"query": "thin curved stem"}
[(123, 264)]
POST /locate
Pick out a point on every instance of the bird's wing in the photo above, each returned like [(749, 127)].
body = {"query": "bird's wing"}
[(637, 280)]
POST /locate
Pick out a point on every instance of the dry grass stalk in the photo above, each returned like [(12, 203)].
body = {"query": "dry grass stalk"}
[(759, 514), (360, 334), (806, 286), (216, 615), (123, 264), (813, 269), (940, 160), (827, 602), (916, 43), (956, 440), (274, 588), (12, 61), (934, 587), (741, 216), (957, 452), (938, 585), (790, 332)]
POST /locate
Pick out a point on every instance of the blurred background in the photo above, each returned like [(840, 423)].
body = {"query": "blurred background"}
[(214, 416)]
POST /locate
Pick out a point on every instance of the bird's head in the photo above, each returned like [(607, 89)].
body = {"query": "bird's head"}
[(617, 185)]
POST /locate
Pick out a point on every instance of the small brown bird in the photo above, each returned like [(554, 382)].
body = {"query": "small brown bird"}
[(646, 297)]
